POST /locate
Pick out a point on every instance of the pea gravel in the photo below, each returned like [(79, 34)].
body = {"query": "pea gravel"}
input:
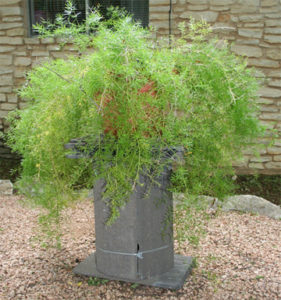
[(238, 257)]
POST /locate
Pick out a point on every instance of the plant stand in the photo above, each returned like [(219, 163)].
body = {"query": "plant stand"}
[(138, 247)]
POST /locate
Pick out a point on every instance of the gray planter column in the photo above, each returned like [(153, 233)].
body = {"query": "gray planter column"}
[(138, 247)]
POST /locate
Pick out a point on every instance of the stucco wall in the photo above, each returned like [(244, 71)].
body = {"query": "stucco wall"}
[(254, 26)]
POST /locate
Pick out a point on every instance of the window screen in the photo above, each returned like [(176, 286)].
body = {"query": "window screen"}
[(48, 9)]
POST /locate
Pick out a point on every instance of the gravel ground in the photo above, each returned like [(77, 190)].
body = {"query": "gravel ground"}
[(238, 257)]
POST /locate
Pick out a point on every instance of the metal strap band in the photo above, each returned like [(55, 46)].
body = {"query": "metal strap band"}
[(138, 254)]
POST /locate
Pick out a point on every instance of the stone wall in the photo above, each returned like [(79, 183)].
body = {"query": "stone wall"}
[(254, 28), (253, 25)]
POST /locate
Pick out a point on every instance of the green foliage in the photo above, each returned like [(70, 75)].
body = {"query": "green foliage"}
[(94, 281), (130, 99)]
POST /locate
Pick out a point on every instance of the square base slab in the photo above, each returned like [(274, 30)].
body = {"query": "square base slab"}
[(173, 279)]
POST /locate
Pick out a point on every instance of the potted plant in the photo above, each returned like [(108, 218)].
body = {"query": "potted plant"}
[(136, 105)]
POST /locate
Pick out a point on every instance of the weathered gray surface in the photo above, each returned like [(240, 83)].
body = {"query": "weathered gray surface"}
[(6, 187), (140, 242), (252, 204), (172, 279)]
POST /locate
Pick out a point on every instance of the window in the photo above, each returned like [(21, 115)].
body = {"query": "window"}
[(48, 9)]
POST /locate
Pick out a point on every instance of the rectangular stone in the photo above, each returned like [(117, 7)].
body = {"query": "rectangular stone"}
[(254, 25), (248, 41), (275, 83), (275, 73), (8, 106), (269, 92), (222, 2), (154, 16), (11, 40), (47, 40), (266, 63), (5, 60), (10, 10), (197, 1), (40, 53), (240, 9), (32, 41), (258, 166), (4, 49), (249, 51), (266, 10), (271, 116), (13, 98), (250, 18), (4, 26), (269, 109), (269, 2), (274, 53), (15, 32), (252, 33), (197, 7), (261, 159), (273, 165), (161, 9), (208, 16), (273, 23), (273, 39), (9, 2), (273, 30), (12, 19), (6, 80), (3, 113), (261, 100), (22, 61), (277, 158), (2, 97), (5, 89)]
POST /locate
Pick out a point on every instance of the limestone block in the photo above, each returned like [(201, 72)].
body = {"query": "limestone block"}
[(277, 158), (273, 39), (269, 2), (161, 2), (269, 109), (22, 61), (249, 2), (220, 8), (273, 23), (266, 63), (8, 106), (273, 15), (258, 166), (154, 16), (208, 16), (10, 10), (265, 100), (273, 165), (250, 18), (274, 53), (264, 10), (11, 40), (12, 19), (197, 1), (47, 41), (254, 25), (40, 53), (31, 41), (249, 51), (197, 7), (4, 49), (275, 73), (248, 41), (261, 159), (223, 28), (240, 9), (222, 2), (160, 24), (3, 114), (273, 30), (6, 80), (252, 33), (275, 83), (2, 97), (6, 187), (9, 2), (16, 32), (274, 150), (12, 98), (271, 116), (10, 25), (5, 60), (269, 92), (5, 89), (161, 9)]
